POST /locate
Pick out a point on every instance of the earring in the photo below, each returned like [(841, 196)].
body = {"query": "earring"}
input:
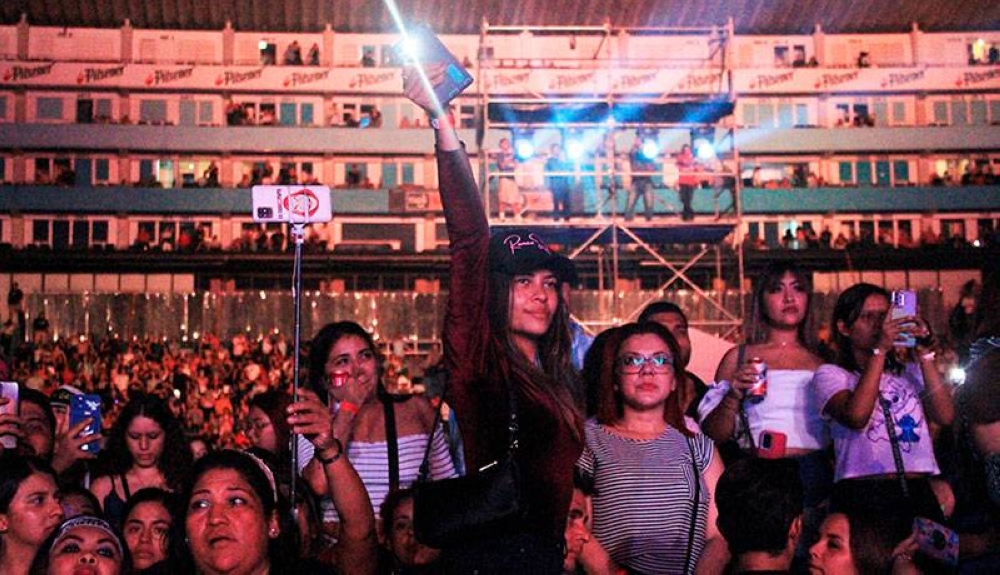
[(273, 532)]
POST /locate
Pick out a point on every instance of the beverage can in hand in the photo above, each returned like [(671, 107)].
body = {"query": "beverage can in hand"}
[(758, 392)]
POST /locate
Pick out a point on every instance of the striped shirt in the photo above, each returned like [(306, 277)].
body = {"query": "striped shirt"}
[(371, 461), (644, 495)]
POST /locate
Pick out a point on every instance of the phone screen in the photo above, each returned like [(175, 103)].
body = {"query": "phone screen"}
[(11, 391), (83, 407), (904, 304), (423, 46)]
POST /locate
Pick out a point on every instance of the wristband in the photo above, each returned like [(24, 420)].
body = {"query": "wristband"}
[(438, 122), (348, 407), (929, 356), (329, 460), (877, 351)]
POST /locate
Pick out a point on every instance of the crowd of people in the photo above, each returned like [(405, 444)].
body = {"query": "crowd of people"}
[(548, 451)]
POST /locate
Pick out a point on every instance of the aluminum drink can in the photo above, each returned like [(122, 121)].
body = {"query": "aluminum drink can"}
[(758, 392)]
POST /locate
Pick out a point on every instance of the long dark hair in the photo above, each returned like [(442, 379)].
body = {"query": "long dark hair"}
[(319, 351), (554, 376), (610, 407), (758, 320), (275, 404), (848, 310), (14, 469), (175, 461)]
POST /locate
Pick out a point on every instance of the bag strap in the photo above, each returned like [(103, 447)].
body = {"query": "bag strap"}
[(689, 553), (392, 442), (425, 465), (744, 420), (513, 430), (897, 456)]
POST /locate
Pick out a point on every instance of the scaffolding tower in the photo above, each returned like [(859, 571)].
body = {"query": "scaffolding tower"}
[(607, 88)]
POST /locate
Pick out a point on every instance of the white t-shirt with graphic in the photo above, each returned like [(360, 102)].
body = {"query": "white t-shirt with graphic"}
[(868, 451)]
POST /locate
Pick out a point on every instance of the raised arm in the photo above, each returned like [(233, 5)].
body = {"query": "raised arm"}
[(357, 545), (466, 324)]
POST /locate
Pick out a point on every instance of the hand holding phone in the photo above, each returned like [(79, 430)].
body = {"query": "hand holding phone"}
[(82, 407), (9, 401), (904, 304), (936, 541), (421, 46)]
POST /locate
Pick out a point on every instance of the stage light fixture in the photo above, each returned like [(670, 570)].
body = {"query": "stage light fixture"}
[(703, 149), (524, 145), (573, 145)]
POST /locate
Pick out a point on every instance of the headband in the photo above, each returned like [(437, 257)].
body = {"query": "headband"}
[(267, 473), (87, 521)]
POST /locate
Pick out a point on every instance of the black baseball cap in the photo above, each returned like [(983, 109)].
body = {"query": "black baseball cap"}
[(514, 253)]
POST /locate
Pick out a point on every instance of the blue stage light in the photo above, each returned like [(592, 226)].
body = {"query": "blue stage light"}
[(650, 149), (524, 148)]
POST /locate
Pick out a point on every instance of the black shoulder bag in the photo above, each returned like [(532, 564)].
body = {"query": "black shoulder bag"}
[(480, 504)]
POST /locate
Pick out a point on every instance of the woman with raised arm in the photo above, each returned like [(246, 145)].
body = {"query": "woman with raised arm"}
[(506, 334)]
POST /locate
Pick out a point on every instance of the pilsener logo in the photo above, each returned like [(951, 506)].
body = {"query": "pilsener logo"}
[(301, 204)]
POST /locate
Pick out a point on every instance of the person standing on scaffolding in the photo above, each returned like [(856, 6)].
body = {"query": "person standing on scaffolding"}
[(642, 168), (508, 194), (687, 165)]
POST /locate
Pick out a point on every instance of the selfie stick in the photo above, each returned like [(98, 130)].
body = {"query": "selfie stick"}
[(298, 234)]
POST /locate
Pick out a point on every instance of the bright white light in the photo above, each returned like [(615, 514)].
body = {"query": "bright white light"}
[(956, 375), (410, 48), (574, 149), (650, 149), (524, 148), (704, 149)]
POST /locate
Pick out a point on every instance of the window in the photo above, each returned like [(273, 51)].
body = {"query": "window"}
[(959, 113), (408, 177), (102, 170), (801, 115), (941, 113), (307, 114), (785, 116), (99, 232), (766, 115), (864, 172), (901, 172), (750, 115), (899, 113), (102, 109), (206, 113), (50, 109), (846, 172), (977, 112), (3, 107), (40, 231), (153, 111)]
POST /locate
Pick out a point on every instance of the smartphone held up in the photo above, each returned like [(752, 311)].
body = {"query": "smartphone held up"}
[(82, 407), (421, 46), (904, 304), (9, 390)]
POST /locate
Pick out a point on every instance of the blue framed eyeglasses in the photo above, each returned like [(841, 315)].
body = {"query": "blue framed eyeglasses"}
[(658, 363)]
